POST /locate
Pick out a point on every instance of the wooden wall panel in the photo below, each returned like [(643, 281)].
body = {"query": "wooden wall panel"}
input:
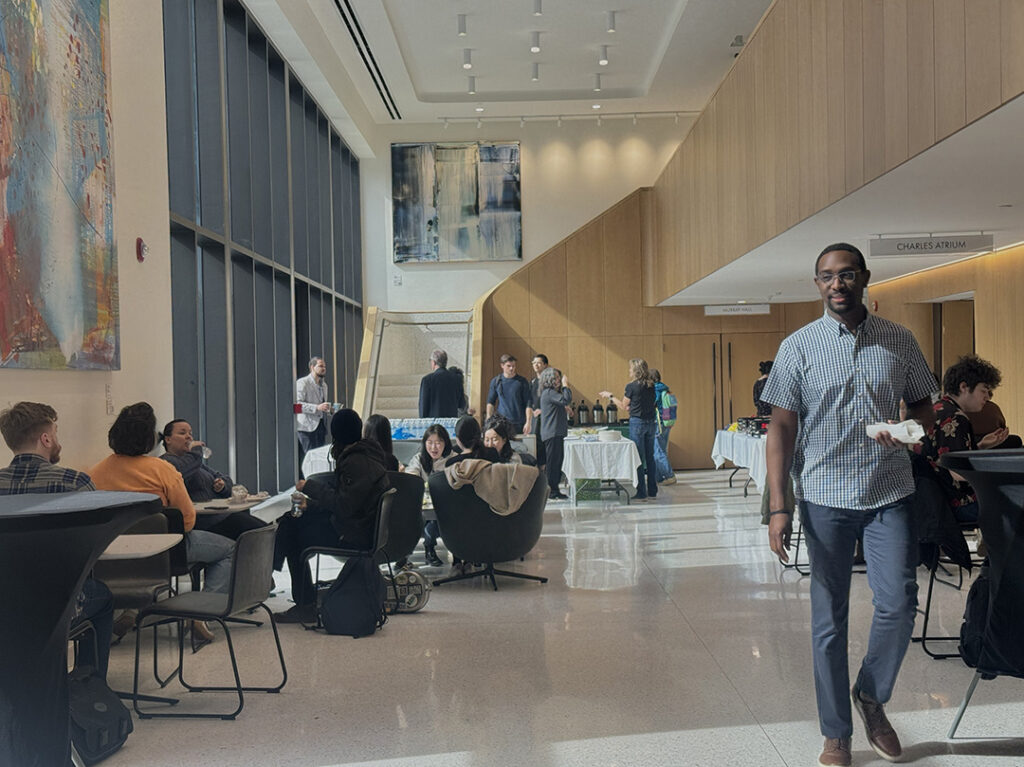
[(982, 66), (795, 316), (895, 85), (584, 258), (556, 348), (618, 351), (920, 75), (622, 299), (1011, 52), (824, 97), (853, 87), (957, 332), (586, 370), (950, 73), (510, 306), (548, 294), (873, 117)]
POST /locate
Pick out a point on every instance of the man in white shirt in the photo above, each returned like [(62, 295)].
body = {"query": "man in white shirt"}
[(312, 408)]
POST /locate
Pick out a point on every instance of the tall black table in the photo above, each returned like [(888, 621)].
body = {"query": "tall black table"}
[(48, 545), (997, 477)]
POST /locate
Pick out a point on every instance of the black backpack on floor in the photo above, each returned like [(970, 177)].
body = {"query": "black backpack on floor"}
[(354, 604), (100, 723), (972, 630)]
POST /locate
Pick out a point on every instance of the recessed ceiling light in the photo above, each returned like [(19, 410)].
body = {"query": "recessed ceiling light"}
[(471, 90), (597, 83), (462, 25), (479, 109), (535, 74), (537, 10), (467, 58), (741, 301), (535, 42), (596, 106), (611, 22), (603, 59)]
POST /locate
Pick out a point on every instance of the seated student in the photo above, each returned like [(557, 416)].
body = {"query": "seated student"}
[(498, 435), (469, 443), (377, 427), (131, 437), (30, 431), (340, 511), (435, 446), (966, 387), (203, 483)]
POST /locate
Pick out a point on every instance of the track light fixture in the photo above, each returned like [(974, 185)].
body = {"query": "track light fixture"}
[(603, 59), (599, 121), (522, 122), (535, 42), (634, 119), (462, 25), (535, 74), (597, 83), (467, 58), (558, 122), (479, 123), (537, 10), (611, 22), (471, 90)]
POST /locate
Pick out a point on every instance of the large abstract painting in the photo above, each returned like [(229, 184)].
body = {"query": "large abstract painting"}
[(456, 202), (58, 268)]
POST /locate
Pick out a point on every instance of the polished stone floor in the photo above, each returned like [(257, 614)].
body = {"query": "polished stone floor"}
[(666, 635)]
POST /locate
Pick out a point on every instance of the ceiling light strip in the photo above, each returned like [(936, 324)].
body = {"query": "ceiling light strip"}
[(355, 31)]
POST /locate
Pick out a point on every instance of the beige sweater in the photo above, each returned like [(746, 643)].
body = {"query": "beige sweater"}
[(503, 486)]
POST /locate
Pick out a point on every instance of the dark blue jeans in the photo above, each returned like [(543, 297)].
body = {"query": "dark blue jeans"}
[(643, 433), (97, 605)]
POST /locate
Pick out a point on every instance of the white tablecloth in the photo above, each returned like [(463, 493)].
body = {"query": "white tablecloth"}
[(600, 460), (744, 451)]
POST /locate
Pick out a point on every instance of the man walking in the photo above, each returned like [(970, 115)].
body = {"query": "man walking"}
[(441, 394), (831, 379), (540, 364), (509, 395), (312, 407)]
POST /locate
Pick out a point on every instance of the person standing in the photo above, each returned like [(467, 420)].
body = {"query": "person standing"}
[(312, 407), (540, 364), (441, 394), (509, 395), (762, 409), (638, 401), (831, 379), (555, 395), (665, 407)]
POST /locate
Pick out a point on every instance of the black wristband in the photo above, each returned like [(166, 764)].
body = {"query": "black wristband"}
[(780, 511)]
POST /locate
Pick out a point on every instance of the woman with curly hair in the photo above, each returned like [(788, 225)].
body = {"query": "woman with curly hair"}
[(643, 425)]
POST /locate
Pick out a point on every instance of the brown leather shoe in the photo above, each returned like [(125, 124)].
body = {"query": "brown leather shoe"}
[(836, 753), (881, 735)]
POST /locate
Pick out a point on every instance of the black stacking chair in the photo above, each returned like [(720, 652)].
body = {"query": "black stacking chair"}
[(250, 574), (474, 533)]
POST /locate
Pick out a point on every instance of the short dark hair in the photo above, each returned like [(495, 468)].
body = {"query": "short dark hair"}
[(542, 357), (23, 422), (765, 367), (503, 428), (506, 358), (845, 247), (134, 430), (439, 357), (314, 360), (971, 370)]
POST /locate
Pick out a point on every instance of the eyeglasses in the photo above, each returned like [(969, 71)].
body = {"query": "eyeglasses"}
[(847, 277)]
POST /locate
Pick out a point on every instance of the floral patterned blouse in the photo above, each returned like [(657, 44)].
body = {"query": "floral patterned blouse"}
[(952, 431)]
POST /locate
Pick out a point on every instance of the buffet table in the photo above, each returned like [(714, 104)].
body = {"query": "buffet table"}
[(745, 452), (616, 462)]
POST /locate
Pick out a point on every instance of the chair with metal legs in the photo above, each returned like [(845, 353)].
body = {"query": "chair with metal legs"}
[(250, 574)]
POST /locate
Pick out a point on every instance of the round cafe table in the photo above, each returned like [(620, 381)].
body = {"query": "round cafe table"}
[(48, 545)]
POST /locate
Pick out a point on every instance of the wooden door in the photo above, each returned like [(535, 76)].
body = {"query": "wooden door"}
[(691, 369), (741, 354)]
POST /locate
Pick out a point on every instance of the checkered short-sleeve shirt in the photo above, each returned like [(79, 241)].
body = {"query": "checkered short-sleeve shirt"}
[(838, 382)]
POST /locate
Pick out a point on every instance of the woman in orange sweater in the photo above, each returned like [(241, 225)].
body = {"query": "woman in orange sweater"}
[(132, 436)]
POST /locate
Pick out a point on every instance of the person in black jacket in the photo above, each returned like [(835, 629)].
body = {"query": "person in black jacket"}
[(441, 394), (340, 510)]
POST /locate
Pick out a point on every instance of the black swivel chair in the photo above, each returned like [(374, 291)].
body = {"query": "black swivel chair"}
[(405, 527), (474, 533)]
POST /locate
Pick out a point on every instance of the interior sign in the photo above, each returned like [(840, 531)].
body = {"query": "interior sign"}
[(727, 309), (932, 246)]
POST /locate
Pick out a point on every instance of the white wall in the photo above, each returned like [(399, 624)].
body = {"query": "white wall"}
[(140, 210), (569, 175)]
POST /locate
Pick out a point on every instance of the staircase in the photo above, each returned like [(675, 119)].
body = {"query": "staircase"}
[(398, 395)]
